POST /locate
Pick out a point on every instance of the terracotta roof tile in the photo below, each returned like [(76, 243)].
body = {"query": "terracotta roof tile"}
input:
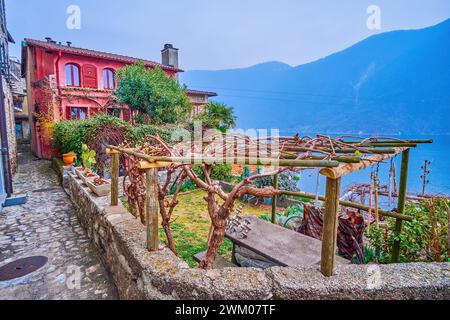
[(208, 93), (95, 54)]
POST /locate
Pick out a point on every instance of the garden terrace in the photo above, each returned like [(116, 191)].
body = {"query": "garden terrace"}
[(335, 156)]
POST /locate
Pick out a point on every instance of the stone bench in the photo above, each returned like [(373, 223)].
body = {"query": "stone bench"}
[(281, 246)]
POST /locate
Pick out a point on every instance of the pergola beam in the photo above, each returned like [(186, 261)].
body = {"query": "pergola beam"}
[(234, 160), (345, 169)]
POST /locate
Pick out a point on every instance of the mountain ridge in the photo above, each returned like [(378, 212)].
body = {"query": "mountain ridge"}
[(392, 83)]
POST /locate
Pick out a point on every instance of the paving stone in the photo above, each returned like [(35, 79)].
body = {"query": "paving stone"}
[(46, 225)]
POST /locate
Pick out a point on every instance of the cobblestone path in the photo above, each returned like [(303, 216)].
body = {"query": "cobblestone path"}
[(47, 225)]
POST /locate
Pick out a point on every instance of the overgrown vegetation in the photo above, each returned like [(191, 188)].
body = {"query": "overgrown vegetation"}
[(424, 239), (99, 131)]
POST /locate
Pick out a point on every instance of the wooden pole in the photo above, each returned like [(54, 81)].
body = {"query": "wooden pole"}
[(234, 160), (274, 199), (391, 142), (377, 209), (330, 226), (151, 210), (401, 204), (448, 229), (351, 151), (348, 204), (115, 179)]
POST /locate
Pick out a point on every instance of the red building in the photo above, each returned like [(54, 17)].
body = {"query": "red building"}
[(64, 82)]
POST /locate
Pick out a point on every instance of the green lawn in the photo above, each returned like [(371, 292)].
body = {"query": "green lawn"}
[(190, 225)]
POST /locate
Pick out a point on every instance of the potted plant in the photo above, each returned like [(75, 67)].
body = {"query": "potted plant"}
[(69, 158), (99, 186), (87, 160), (87, 175), (87, 157)]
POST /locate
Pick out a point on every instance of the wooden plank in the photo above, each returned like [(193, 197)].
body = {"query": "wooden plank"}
[(348, 204), (330, 226), (115, 179), (401, 204), (274, 198), (153, 165), (151, 210), (348, 168), (282, 246), (111, 151)]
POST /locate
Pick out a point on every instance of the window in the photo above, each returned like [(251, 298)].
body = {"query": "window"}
[(19, 130), (108, 79), (78, 113), (114, 112), (72, 75)]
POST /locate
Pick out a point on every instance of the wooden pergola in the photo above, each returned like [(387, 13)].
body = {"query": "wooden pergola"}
[(336, 157)]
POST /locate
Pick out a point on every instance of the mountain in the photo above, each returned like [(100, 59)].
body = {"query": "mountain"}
[(390, 83)]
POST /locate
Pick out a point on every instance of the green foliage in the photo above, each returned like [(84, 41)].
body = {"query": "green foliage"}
[(151, 92), (143, 131), (69, 135), (289, 218), (87, 156), (188, 185), (424, 239), (296, 210), (218, 116), (221, 172)]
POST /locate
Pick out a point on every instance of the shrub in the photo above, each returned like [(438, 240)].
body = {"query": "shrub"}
[(143, 131), (106, 130), (102, 130), (70, 135), (221, 172), (152, 93)]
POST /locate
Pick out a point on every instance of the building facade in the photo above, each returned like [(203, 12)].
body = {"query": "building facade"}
[(64, 82), (198, 100), (19, 96), (8, 159)]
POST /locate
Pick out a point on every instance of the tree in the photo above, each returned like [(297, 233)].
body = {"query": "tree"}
[(218, 116), (152, 93)]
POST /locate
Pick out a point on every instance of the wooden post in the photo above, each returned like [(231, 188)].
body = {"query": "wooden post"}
[(330, 226), (115, 179), (375, 187), (401, 204), (151, 210), (274, 199)]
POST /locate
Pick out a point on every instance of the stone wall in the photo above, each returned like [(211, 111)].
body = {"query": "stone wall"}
[(139, 274), (10, 125)]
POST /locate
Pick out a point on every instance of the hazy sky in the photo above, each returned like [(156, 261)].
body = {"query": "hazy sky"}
[(218, 34)]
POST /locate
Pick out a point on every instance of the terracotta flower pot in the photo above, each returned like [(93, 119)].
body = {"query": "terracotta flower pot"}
[(69, 158)]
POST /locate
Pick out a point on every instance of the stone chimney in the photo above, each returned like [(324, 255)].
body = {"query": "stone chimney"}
[(169, 56), (50, 40)]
